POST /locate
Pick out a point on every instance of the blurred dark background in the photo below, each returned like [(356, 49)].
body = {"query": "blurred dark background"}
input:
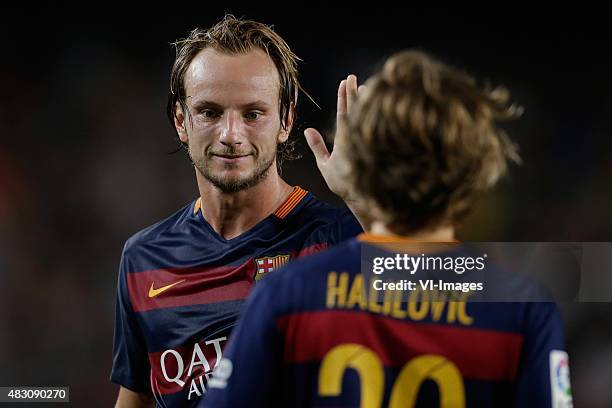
[(85, 163)]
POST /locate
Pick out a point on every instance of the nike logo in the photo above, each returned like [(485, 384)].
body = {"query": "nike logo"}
[(154, 292)]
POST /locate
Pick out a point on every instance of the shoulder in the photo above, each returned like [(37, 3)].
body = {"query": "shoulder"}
[(333, 224), (154, 232), (315, 207), (504, 284)]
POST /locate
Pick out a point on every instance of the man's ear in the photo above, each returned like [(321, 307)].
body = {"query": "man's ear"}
[(285, 132), (180, 123)]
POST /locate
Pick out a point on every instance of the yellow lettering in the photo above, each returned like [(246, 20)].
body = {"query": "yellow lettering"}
[(356, 295), (359, 358), (371, 374), (437, 368), (336, 291), (373, 306), (464, 318), (437, 305), (451, 314), (397, 311), (418, 308), (387, 302)]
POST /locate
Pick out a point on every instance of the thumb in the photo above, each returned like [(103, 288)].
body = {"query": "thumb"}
[(316, 144)]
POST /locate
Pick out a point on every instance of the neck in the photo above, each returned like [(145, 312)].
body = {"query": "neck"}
[(439, 234), (231, 214)]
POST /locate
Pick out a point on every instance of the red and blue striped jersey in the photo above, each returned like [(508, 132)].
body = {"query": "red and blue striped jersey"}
[(181, 287), (312, 335)]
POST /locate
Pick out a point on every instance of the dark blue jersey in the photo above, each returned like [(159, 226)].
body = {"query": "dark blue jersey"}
[(181, 286), (315, 335)]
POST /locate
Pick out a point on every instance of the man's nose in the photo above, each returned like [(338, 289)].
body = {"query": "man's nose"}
[(230, 132)]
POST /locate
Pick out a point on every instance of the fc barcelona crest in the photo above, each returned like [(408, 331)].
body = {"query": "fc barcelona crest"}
[(268, 264)]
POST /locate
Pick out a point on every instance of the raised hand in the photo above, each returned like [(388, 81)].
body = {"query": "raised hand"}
[(334, 166)]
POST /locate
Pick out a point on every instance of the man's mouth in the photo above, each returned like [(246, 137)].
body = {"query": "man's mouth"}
[(230, 158)]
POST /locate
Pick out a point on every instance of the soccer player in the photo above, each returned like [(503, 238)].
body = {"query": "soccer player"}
[(423, 140), (182, 281)]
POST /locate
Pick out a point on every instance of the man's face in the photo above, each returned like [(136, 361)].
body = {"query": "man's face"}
[(235, 127)]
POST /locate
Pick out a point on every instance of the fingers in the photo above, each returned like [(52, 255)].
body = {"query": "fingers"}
[(347, 94), (351, 91), (316, 144), (347, 97), (341, 107)]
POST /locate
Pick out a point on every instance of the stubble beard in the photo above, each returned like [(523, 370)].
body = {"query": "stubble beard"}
[(233, 184)]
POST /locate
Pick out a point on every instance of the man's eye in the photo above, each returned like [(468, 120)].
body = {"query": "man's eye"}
[(252, 115), (209, 114)]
